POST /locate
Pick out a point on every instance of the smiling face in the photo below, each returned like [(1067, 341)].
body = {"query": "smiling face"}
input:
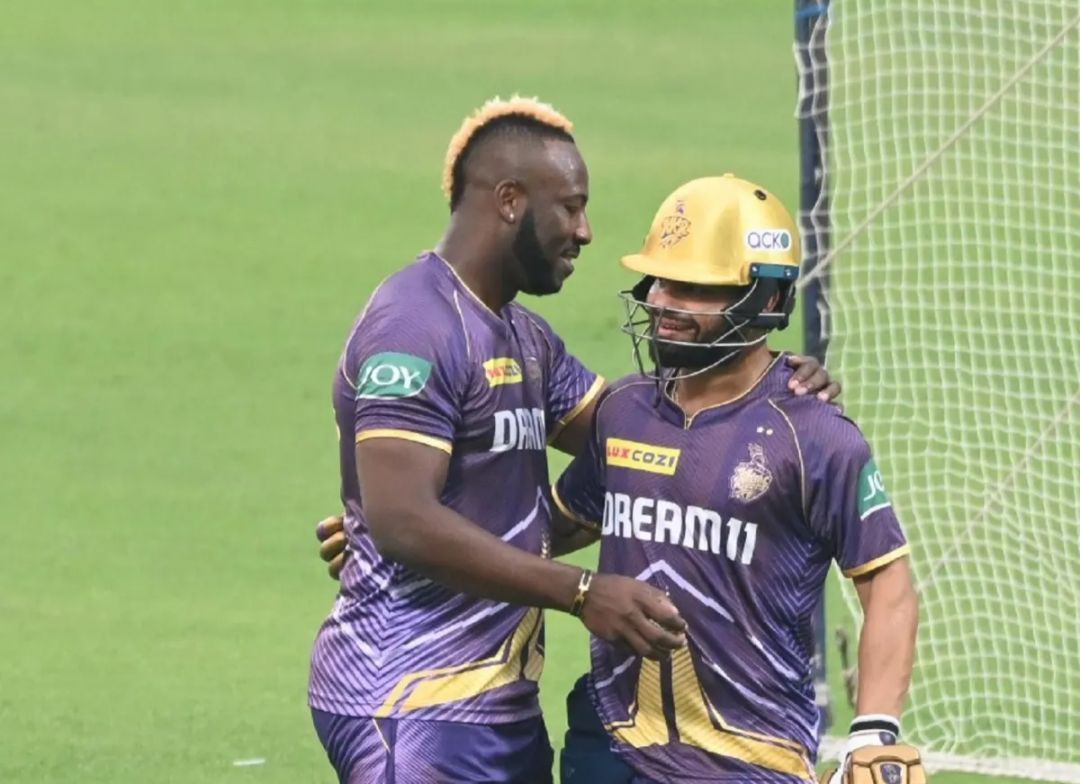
[(554, 225), (689, 313)]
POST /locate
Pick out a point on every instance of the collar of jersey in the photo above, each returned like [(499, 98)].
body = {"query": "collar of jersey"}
[(719, 409), (490, 314)]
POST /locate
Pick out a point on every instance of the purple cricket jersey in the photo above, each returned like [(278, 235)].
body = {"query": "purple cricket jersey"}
[(427, 362), (737, 513)]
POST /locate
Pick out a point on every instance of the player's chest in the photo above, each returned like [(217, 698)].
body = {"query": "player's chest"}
[(503, 408), (717, 490)]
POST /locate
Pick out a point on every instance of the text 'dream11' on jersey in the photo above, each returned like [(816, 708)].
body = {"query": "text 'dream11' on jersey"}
[(737, 513)]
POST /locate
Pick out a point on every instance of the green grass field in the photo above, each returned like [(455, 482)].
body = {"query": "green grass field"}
[(195, 200)]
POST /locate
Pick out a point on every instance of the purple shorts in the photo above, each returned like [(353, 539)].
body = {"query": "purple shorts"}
[(364, 750)]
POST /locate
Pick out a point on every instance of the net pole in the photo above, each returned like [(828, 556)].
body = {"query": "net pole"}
[(811, 22)]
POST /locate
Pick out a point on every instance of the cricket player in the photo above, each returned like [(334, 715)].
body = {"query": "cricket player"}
[(446, 397), (706, 477)]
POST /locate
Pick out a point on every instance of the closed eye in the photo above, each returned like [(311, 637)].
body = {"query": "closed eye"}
[(575, 205)]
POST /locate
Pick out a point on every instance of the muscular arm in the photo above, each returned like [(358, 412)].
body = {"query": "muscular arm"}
[(400, 483), (571, 439), (887, 643)]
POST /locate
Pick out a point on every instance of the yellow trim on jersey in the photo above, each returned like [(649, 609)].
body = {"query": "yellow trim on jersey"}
[(740, 396), (570, 513), (646, 725), (596, 388), (700, 724), (534, 657), (802, 465), (877, 563), (461, 681), (405, 435)]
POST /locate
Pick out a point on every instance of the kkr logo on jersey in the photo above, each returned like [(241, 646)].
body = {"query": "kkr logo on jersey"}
[(502, 370), (520, 428), (751, 478), (657, 520), (391, 374), (642, 457)]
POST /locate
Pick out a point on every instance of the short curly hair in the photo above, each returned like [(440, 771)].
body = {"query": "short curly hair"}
[(514, 116)]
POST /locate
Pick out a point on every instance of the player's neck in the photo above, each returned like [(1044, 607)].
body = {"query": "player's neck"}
[(472, 257), (724, 383)]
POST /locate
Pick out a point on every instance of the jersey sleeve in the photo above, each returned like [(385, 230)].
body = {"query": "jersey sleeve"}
[(579, 492), (571, 385), (408, 375), (848, 505)]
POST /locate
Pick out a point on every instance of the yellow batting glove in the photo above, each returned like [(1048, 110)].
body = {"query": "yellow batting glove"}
[(331, 533), (873, 756), (899, 764)]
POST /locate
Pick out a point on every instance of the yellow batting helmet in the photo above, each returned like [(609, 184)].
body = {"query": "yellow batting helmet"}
[(717, 231)]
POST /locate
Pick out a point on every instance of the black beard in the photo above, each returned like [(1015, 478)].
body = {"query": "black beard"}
[(691, 357), (701, 355), (539, 274)]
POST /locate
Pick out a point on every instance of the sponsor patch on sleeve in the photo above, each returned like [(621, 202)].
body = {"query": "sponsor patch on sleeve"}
[(872, 495), (392, 375)]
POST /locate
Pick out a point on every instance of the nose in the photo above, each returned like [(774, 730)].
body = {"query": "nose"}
[(666, 301), (583, 231)]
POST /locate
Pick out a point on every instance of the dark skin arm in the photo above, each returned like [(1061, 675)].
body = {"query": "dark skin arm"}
[(811, 377), (401, 483), (567, 536), (332, 543)]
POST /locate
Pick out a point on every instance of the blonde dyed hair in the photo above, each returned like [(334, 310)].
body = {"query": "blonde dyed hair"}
[(494, 109)]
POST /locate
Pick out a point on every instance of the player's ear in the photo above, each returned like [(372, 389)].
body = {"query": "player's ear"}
[(510, 200)]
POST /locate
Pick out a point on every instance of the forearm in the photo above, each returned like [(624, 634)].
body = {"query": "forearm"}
[(449, 549), (887, 645)]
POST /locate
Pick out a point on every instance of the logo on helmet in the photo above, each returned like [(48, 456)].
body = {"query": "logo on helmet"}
[(891, 773), (675, 228), (768, 239)]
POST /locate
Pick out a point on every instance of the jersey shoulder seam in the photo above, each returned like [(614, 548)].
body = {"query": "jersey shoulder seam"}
[(799, 452)]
